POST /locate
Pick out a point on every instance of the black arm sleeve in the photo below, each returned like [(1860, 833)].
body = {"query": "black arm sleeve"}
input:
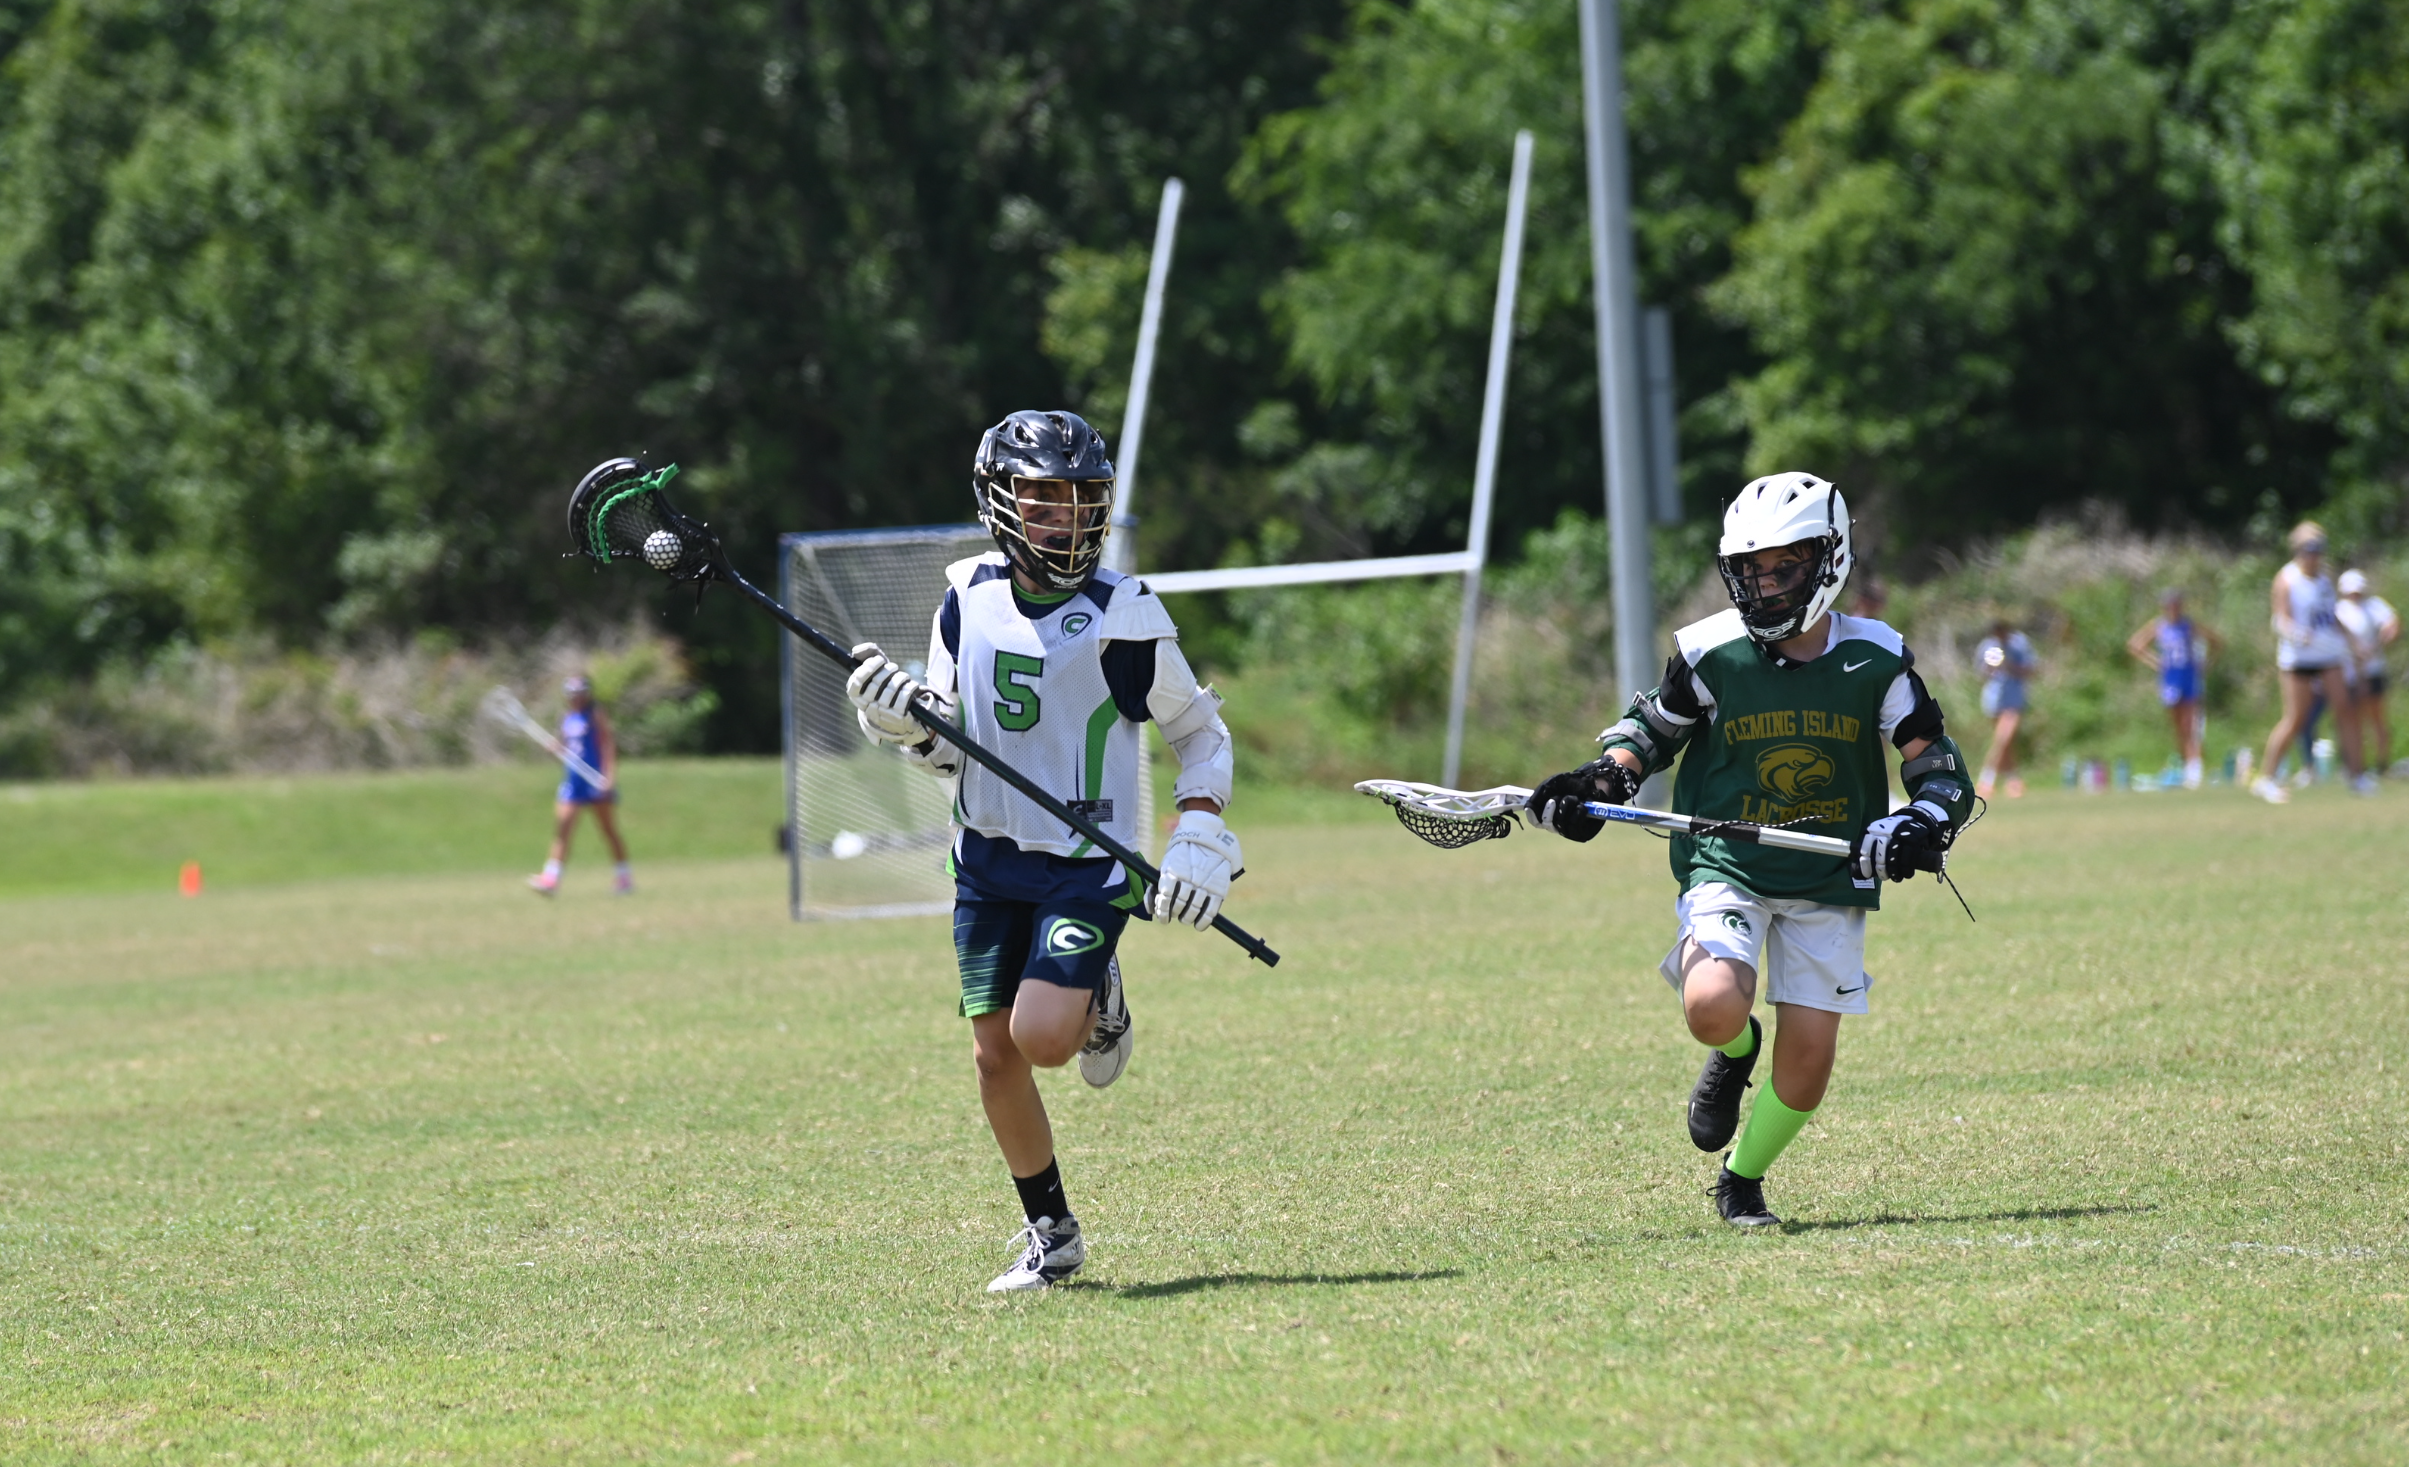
[(1923, 721), (1662, 720), (1129, 672)]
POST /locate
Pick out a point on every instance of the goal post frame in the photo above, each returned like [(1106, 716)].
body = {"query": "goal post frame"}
[(905, 637), (1473, 558)]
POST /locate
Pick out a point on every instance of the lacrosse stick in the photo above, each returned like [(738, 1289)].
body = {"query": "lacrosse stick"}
[(503, 706), (1453, 818), (618, 512)]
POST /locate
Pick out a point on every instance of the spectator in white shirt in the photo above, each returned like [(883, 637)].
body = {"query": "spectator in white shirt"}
[(2371, 625)]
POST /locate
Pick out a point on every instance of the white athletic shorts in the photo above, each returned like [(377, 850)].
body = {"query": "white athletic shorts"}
[(1807, 953)]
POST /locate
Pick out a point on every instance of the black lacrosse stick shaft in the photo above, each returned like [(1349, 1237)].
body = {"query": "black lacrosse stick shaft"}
[(827, 646)]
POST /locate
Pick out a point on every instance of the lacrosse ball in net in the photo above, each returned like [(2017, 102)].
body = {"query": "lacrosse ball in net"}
[(663, 550), (848, 844)]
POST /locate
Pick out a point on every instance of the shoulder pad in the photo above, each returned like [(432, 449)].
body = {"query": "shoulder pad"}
[(1866, 629), (1137, 615), (964, 574), (1701, 637)]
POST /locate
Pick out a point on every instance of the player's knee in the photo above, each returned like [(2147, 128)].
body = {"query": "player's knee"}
[(1717, 1019), (1048, 1048), (994, 1054)]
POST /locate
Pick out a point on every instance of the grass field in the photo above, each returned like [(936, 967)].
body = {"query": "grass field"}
[(133, 835), (394, 1164)]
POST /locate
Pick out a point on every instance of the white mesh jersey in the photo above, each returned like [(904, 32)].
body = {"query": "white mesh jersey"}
[(1034, 691)]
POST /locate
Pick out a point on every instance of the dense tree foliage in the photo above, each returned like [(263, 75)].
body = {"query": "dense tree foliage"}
[(309, 314)]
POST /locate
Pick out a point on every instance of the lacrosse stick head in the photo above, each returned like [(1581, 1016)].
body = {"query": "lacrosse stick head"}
[(1449, 819), (619, 513)]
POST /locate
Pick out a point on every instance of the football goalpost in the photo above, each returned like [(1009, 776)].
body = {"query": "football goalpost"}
[(867, 836)]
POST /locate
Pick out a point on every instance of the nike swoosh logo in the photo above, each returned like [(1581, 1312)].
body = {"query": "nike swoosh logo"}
[(1845, 992), (1853, 666)]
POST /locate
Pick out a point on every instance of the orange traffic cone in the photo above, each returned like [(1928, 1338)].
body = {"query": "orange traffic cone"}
[(189, 880)]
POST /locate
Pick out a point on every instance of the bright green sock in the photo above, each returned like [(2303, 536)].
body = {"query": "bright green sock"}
[(1771, 1127), (1744, 1046)]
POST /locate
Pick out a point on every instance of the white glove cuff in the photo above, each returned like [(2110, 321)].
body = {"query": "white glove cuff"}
[(1206, 829)]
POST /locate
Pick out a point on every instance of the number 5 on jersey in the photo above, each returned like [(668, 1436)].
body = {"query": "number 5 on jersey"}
[(1019, 714)]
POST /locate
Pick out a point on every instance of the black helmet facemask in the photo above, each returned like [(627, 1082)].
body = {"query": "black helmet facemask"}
[(1044, 488)]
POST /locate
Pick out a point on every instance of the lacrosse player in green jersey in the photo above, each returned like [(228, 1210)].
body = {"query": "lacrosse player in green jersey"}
[(1777, 711)]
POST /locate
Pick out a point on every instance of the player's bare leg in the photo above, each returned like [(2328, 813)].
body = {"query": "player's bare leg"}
[(2185, 717), (1803, 1049), (1016, 1113), (1716, 996), (606, 815), (1050, 1022), (1045, 1026), (2000, 762), (2344, 700), (564, 825), (2298, 689)]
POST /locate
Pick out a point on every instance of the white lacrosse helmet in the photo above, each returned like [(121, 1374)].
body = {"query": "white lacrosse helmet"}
[(1786, 509)]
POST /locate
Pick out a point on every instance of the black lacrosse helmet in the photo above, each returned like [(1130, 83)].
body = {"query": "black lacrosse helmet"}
[(1033, 445), (618, 513)]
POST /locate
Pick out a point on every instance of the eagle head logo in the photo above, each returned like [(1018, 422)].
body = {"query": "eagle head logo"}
[(1794, 772)]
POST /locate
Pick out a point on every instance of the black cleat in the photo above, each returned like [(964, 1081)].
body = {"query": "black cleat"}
[(1715, 1099), (1741, 1201)]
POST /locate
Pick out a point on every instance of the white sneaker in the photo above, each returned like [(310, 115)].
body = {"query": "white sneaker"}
[(2271, 792), (1055, 1252), (1106, 1053), (2193, 775), (2363, 784)]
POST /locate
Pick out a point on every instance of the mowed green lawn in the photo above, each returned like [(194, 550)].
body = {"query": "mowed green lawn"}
[(419, 1168)]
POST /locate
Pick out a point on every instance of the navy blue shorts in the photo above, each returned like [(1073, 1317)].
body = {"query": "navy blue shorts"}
[(1067, 942)]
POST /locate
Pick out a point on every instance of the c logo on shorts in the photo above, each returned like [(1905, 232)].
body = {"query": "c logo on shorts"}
[(1067, 937), (1793, 772), (1735, 921)]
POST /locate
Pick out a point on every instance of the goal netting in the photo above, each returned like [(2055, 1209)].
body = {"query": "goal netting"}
[(866, 835)]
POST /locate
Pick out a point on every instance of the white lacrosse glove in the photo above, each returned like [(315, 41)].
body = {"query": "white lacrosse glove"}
[(1197, 867), (884, 694)]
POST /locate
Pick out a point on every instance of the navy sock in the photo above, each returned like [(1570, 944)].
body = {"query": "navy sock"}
[(1041, 1195)]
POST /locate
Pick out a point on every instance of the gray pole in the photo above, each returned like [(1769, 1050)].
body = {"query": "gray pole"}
[(1121, 551), (1616, 287), (1664, 424), (1484, 472)]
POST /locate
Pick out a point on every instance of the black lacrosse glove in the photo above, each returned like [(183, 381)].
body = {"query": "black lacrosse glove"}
[(1556, 804), (1896, 847)]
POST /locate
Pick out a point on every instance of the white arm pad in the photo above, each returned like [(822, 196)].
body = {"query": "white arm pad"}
[(1190, 718)]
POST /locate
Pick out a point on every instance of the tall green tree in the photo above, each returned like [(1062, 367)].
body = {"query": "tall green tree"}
[(1394, 183), (312, 313), (1985, 287), (2309, 145)]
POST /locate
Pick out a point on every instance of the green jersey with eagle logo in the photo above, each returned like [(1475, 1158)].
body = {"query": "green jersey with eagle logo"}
[(1776, 742)]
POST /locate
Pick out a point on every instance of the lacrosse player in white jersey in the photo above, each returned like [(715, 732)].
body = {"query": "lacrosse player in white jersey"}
[(1053, 662)]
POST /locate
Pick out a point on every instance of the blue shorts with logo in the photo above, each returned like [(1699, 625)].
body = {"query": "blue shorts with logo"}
[(2179, 685), (1026, 914)]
